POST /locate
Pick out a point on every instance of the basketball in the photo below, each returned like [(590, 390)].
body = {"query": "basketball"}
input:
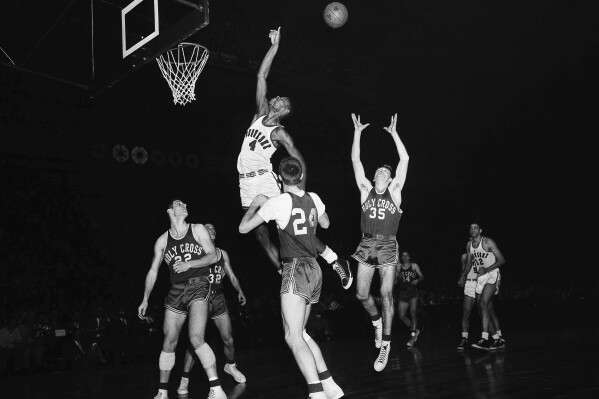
[(335, 15)]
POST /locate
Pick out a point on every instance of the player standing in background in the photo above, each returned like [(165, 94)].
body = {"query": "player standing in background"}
[(409, 276), (219, 313), (187, 251), (484, 254), (381, 213)]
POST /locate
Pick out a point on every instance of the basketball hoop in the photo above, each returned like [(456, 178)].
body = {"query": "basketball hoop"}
[(181, 66)]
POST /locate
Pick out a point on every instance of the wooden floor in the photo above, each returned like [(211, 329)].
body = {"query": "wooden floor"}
[(553, 360)]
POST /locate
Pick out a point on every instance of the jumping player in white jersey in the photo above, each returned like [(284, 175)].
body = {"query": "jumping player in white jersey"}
[(261, 140), (297, 214), (381, 213), (187, 250), (219, 313), (483, 253)]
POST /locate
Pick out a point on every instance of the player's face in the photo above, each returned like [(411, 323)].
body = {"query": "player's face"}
[(211, 231), (279, 103), (382, 176), (405, 257), (475, 230), (179, 208)]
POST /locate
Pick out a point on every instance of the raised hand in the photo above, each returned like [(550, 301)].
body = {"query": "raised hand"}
[(275, 36), (392, 126), (358, 126)]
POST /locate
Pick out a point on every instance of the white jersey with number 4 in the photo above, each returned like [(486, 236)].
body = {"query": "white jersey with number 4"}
[(257, 148)]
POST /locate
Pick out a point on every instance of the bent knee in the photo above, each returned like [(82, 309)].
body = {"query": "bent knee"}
[(196, 340), (362, 297)]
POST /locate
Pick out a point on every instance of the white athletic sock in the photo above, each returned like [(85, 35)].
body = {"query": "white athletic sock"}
[(329, 255), (465, 334), (498, 333), (485, 335), (495, 336)]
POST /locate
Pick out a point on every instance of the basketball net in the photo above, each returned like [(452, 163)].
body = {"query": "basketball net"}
[(181, 66)]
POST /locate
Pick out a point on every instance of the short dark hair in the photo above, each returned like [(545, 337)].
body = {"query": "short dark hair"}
[(172, 201), (386, 166), (290, 170)]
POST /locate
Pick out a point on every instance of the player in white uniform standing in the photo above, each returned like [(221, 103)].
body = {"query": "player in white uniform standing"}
[(484, 255), (261, 140)]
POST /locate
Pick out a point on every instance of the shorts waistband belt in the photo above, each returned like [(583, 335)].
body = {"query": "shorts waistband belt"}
[(378, 236), (289, 260), (471, 279), (253, 173), (196, 280)]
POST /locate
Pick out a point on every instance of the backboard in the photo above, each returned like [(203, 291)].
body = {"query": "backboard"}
[(93, 44)]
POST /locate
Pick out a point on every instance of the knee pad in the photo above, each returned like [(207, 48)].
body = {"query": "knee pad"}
[(166, 361), (205, 355), (306, 336)]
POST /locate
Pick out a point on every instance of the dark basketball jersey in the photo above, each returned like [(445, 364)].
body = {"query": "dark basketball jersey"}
[(299, 236), (217, 273), (379, 214), (184, 250), (405, 277)]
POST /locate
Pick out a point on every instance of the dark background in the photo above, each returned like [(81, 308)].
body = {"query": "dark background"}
[(496, 104)]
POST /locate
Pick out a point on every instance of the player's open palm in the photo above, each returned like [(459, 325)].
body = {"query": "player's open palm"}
[(392, 126), (358, 126)]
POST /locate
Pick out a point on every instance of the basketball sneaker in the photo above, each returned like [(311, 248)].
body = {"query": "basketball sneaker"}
[(182, 390), (341, 266), (231, 369), (483, 344), (414, 338), (161, 395), (217, 393), (378, 334), (318, 395), (497, 344), (381, 361), (462, 344)]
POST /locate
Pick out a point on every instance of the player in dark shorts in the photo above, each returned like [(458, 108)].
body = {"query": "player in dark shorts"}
[(408, 276), (264, 136), (381, 213), (297, 214), (187, 251), (219, 313)]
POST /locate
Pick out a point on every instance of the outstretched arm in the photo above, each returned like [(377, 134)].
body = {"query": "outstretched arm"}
[(402, 167), (233, 277), (159, 247), (363, 184), (261, 103), (281, 135)]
